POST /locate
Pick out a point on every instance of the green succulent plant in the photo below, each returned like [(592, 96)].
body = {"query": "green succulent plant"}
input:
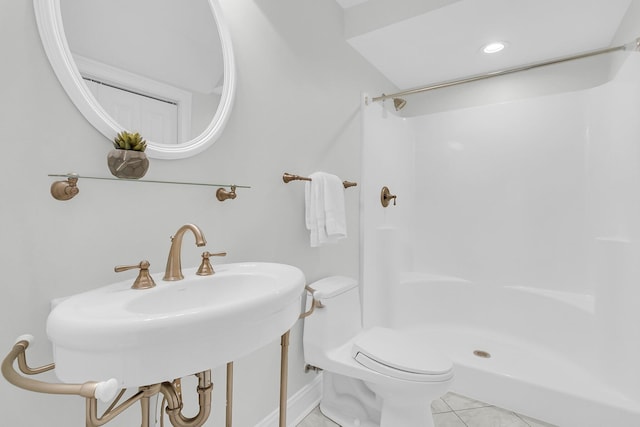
[(129, 141)]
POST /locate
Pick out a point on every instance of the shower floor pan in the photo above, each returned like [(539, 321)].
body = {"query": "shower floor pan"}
[(528, 379)]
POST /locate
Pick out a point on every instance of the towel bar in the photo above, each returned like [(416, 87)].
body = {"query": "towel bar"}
[(287, 178)]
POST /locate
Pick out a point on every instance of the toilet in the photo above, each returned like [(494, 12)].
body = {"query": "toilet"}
[(376, 377)]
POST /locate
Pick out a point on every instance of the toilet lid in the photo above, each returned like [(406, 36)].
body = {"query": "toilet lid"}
[(400, 355)]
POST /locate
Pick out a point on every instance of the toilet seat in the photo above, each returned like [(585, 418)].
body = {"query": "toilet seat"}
[(399, 355)]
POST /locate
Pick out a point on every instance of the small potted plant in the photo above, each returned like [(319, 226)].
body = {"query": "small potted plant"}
[(128, 160)]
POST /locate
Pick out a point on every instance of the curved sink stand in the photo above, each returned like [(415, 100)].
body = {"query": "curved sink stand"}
[(117, 332), (106, 391)]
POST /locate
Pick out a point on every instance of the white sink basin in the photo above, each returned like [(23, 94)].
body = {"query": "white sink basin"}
[(143, 337)]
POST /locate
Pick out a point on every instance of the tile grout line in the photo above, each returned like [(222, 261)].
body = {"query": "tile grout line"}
[(460, 418), (458, 413), (448, 406), (523, 420)]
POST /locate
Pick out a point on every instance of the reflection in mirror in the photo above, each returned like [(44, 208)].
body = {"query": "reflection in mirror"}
[(163, 68), (148, 61)]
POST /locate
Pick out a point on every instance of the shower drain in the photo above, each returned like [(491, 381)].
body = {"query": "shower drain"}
[(482, 353)]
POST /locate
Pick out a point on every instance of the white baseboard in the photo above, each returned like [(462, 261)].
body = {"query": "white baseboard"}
[(298, 406)]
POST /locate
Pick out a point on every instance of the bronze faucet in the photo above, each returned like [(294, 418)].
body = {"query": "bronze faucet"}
[(174, 265)]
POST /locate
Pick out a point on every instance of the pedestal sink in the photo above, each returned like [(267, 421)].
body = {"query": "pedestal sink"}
[(175, 329)]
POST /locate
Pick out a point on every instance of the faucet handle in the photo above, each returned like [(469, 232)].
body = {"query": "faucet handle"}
[(386, 197), (144, 279), (205, 268)]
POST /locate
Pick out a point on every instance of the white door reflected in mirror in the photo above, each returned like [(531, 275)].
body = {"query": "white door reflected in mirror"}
[(157, 119), (169, 76)]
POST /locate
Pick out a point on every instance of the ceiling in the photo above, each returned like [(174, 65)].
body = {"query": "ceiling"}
[(418, 42), (349, 3)]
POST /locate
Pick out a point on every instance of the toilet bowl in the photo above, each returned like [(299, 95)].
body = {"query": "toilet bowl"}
[(372, 377)]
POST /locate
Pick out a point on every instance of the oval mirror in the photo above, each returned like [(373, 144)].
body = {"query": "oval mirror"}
[(164, 68)]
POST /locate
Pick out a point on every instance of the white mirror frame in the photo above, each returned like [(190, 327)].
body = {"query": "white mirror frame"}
[(49, 19)]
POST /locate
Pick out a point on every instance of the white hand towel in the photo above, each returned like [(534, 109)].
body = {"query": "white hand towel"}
[(334, 212), (324, 209), (314, 210)]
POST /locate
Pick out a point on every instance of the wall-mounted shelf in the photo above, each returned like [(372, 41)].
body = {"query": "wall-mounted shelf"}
[(67, 189)]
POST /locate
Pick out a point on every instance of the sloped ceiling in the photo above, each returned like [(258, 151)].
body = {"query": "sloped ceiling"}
[(350, 3), (414, 43)]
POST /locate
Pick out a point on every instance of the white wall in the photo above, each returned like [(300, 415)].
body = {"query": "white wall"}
[(501, 193), (514, 193), (387, 160), (613, 168), (297, 110)]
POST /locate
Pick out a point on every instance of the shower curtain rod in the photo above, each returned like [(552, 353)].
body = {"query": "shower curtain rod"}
[(634, 45)]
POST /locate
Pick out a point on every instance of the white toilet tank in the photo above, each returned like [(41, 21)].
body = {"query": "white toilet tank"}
[(340, 318)]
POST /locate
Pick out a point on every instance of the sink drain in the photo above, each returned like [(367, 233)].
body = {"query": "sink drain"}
[(482, 353)]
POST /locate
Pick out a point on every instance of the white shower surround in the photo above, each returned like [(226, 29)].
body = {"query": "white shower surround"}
[(516, 232)]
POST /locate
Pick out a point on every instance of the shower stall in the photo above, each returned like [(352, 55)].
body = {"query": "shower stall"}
[(514, 245)]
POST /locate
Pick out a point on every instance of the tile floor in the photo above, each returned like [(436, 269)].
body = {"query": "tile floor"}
[(453, 410)]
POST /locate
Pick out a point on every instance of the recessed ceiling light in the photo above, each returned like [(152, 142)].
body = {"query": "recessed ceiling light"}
[(494, 47)]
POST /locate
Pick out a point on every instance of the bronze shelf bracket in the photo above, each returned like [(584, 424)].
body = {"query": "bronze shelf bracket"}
[(287, 178), (222, 194), (65, 190)]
